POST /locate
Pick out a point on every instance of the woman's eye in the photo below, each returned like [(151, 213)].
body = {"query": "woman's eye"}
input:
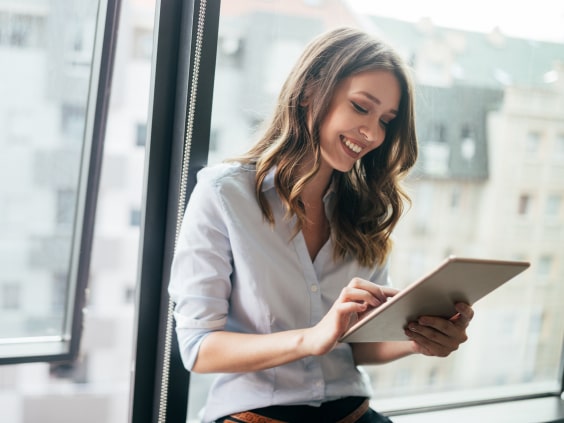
[(384, 123), (358, 108)]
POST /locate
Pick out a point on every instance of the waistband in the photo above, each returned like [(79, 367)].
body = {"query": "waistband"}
[(345, 410)]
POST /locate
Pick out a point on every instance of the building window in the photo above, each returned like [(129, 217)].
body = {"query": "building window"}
[(129, 295), (19, 30), (544, 266), (438, 132), (214, 139), (65, 206), (135, 217), (524, 205), (553, 204), (142, 44), (455, 198), (11, 296), (559, 146), (72, 121), (467, 143), (141, 134), (59, 293), (532, 142)]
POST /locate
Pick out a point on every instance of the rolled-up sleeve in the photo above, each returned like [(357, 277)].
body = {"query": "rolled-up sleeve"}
[(200, 283)]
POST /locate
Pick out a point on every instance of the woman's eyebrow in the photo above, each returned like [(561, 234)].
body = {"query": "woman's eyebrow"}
[(376, 100)]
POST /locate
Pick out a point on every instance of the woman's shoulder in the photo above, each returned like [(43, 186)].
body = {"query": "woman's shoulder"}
[(224, 175)]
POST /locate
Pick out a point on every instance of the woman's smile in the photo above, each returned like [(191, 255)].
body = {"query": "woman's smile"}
[(351, 146)]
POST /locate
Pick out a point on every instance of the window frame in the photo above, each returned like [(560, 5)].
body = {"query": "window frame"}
[(66, 347), (160, 381)]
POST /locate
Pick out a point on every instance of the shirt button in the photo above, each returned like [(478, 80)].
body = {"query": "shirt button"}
[(314, 288)]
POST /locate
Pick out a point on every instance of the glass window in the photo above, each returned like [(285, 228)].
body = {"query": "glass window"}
[(140, 134), (65, 206), (47, 53), (524, 205), (553, 205), (470, 83), (135, 217), (559, 146), (532, 143), (455, 197), (544, 267), (45, 124), (11, 296)]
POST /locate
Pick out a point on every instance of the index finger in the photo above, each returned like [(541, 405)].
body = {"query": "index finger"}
[(388, 291), (380, 292)]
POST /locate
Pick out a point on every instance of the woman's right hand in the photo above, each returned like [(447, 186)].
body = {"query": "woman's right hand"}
[(356, 298)]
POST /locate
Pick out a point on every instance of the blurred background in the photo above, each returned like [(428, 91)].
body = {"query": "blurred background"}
[(489, 182)]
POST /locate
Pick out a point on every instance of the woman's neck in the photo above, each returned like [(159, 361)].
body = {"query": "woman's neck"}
[(316, 187)]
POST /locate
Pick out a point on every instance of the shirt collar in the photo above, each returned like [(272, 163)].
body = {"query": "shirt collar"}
[(268, 182)]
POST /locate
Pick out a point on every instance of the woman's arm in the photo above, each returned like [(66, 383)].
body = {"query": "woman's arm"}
[(432, 336), (223, 351)]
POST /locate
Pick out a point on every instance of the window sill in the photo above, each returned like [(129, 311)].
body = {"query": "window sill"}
[(546, 410)]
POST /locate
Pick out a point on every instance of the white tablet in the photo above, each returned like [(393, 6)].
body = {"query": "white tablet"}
[(455, 280)]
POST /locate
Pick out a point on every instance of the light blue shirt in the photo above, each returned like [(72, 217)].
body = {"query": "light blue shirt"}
[(233, 271)]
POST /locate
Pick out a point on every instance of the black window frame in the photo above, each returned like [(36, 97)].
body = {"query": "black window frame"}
[(96, 119), (177, 147)]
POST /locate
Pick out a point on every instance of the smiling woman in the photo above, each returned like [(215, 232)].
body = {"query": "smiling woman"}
[(241, 266)]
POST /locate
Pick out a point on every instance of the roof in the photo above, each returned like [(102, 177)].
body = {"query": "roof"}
[(479, 59)]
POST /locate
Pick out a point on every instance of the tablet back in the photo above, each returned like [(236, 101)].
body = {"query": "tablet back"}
[(455, 280)]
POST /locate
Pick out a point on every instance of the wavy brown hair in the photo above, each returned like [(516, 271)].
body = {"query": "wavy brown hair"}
[(369, 197)]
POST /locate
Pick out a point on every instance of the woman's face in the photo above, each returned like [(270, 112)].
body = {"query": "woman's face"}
[(362, 107)]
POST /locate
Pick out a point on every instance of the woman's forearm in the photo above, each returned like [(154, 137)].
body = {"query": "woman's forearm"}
[(226, 352)]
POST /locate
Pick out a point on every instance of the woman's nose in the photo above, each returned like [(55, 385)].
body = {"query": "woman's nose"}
[(372, 133)]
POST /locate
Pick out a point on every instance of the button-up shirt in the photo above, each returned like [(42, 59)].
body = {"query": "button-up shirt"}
[(234, 271)]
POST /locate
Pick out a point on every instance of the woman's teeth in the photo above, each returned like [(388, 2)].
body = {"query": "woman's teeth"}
[(353, 146)]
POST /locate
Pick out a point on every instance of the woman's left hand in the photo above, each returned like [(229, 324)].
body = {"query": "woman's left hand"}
[(436, 336)]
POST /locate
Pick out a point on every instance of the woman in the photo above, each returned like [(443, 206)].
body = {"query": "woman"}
[(280, 250)]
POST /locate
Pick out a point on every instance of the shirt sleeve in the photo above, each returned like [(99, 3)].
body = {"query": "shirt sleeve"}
[(381, 274), (200, 283)]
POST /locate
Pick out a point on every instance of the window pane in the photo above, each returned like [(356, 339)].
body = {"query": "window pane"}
[(553, 205), (94, 388), (46, 51), (480, 99)]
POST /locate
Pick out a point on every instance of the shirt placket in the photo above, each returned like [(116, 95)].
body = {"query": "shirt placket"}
[(314, 370)]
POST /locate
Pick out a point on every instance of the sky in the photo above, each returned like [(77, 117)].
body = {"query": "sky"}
[(533, 19)]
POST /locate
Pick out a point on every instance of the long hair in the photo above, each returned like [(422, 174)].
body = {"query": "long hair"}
[(369, 197)]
